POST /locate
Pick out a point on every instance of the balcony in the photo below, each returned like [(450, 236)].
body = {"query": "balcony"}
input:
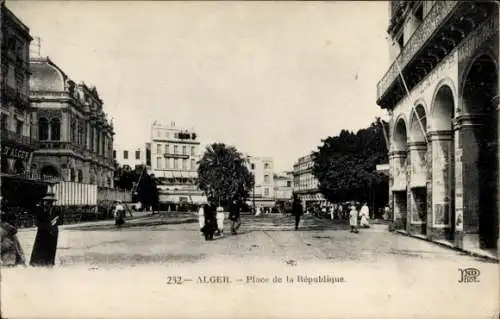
[(440, 11), (443, 28), (9, 137), (57, 145)]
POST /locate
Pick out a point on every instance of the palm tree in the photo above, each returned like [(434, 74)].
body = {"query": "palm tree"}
[(223, 174)]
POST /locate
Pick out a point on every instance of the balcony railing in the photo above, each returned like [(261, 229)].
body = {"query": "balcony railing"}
[(439, 12), (57, 145), (19, 139)]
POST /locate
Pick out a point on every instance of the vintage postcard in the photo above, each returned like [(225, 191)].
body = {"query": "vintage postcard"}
[(249, 159)]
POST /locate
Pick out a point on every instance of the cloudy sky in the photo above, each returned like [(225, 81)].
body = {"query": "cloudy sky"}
[(272, 78)]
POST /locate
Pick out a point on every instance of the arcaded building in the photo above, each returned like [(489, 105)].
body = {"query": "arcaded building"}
[(75, 136), (441, 91)]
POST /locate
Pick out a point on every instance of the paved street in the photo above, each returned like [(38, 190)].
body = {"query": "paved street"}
[(99, 267)]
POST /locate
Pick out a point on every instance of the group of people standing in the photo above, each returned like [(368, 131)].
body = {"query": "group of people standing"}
[(363, 216), (211, 219)]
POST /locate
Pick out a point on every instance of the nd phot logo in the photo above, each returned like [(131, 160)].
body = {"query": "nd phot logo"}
[(468, 275)]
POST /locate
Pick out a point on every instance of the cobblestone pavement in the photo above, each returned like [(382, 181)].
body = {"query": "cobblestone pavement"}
[(373, 273)]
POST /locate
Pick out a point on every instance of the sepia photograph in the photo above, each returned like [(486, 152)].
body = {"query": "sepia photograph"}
[(249, 159)]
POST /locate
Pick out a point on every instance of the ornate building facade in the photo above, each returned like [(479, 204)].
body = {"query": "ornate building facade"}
[(76, 139), (441, 91), (19, 138), (305, 184)]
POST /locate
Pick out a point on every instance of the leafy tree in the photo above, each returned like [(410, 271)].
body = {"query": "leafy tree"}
[(223, 174), (345, 166), (137, 180)]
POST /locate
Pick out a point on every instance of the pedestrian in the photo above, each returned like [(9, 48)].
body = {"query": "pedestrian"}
[(353, 218), (220, 220), (201, 218), (387, 212), (210, 222), (364, 213), (11, 251), (297, 210), (45, 247), (119, 213), (258, 212), (234, 216)]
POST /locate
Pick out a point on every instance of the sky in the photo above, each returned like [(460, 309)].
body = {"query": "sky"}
[(271, 78)]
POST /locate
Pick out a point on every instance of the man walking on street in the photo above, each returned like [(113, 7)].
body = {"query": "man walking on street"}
[(297, 210), (234, 216)]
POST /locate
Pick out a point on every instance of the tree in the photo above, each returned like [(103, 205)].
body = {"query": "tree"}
[(223, 174), (345, 166), (137, 180)]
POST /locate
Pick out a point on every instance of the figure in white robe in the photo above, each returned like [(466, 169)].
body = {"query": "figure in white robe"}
[(364, 213)]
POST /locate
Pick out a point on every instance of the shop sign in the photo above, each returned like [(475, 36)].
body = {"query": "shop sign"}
[(14, 152)]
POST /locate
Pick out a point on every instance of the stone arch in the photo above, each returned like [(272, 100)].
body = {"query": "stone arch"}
[(479, 136), (479, 85), (50, 170), (400, 135), (443, 108), (417, 128)]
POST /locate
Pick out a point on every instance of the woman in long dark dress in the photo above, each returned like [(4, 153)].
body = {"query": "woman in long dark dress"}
[(44, 249), (210, 222)]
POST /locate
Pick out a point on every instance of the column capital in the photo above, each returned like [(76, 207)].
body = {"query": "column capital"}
[(417, 146), (468, 120), (397, 154), (439, 135)]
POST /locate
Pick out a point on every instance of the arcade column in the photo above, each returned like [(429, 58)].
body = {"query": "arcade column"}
[(468, 180), (417, 217), (398, 172), (442, 183)]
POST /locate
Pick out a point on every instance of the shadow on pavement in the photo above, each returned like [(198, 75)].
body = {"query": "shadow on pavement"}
[(133, 224)]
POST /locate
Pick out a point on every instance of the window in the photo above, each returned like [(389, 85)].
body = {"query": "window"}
[(171, 163), (166, 163), (288, 184), (158, 133), (55, 129), (193, 164), (19, 127), (4, 122), (167, 148), (114, 154), (252, 166), (176, 163), (184, 164), (137, 155), (167, 135), (184, 150), (43, 129), (266, 191), (125, 154), (266, 165), (158, 148), (176, 149), (266, 179), (192, 151), (158, 162)]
